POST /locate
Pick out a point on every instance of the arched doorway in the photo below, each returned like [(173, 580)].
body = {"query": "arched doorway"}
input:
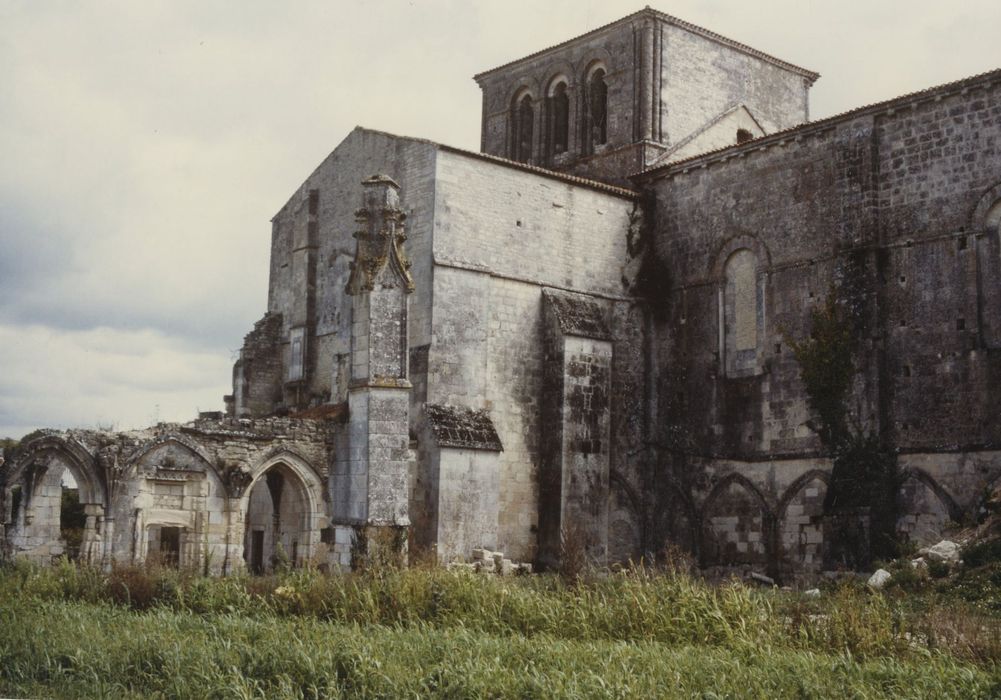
[(280, 525)]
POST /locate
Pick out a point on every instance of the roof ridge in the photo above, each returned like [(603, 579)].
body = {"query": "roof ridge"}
[(670, 19)]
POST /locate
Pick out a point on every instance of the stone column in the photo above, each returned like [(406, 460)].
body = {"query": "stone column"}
[(379, 392), (108, 556), (236, 479), (90, 546)]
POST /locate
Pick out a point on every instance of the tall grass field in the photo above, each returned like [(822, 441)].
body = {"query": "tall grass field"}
[(79, 632)]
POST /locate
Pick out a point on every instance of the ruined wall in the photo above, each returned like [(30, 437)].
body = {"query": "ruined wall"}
[(193, 480), (257, 374), (882, 201), (336, 184)]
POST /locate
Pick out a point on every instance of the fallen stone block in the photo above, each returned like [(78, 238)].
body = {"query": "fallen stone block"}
[(945, 551), (879, 579)]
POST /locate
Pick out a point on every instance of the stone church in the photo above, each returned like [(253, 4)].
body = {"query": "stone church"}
[(592, 329)]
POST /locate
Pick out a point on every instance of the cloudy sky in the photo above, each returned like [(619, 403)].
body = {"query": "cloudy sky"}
[(145, 145)]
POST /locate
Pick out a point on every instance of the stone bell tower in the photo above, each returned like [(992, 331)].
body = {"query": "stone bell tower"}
[(379, 393)]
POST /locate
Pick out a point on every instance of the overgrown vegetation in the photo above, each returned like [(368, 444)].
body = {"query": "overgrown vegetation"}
[(864, 474), (75, 631)]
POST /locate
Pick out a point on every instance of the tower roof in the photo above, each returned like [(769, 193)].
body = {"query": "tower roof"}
[(810, 75)]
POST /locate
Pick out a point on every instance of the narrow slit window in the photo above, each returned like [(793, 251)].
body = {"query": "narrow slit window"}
[(559, 119)]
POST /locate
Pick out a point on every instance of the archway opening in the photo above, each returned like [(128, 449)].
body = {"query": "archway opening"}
[(277, 522), (72, 516), (52, 511)]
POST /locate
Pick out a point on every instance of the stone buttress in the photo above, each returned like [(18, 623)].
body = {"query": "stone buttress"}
[(379, 392)]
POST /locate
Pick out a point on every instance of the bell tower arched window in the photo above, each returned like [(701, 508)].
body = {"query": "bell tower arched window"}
[(522, 128), (597, 109), (559, 119)]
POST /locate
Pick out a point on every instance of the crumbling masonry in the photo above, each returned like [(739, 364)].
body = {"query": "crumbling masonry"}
[(589, 327)]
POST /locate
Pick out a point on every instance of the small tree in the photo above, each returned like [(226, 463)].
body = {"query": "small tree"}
[(864, 470)]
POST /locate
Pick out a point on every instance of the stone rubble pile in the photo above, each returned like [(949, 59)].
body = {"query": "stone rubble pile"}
[(486, 561), (945, 551)]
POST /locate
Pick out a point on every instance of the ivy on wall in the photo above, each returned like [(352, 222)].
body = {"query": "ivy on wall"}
[(864, 474)]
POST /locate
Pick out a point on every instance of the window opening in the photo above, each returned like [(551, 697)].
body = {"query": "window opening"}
[(524, 130), (559, 109), (598, 108)]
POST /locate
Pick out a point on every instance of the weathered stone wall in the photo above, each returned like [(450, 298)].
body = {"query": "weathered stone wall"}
[(667, 80), (702, 79), (196, 478), (502, 235), (882, 201), (337, 186), (257, 375), (615, 47)]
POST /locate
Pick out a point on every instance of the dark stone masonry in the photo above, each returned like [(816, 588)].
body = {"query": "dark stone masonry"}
[(592, 330)]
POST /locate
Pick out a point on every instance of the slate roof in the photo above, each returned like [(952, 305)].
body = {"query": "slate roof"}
[(459, 426)]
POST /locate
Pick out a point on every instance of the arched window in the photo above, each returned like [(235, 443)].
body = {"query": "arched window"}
[(559, 118), (522, 128), (597, 109), (742, 313), (743, 136)]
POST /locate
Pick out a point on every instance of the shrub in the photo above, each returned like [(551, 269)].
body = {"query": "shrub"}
[(982, 553)]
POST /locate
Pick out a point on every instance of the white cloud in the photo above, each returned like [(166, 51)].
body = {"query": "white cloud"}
[(55, 378)]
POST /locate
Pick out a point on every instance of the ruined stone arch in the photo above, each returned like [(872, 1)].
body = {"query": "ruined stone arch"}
[(76, 458), (136, 456), (800, 521), (798, 483), (741, 480), (175, 496), (282, 510), (925, 507), (738, 525), (38, 523)]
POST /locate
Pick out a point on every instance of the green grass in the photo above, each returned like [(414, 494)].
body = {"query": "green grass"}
[(73, 632)]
